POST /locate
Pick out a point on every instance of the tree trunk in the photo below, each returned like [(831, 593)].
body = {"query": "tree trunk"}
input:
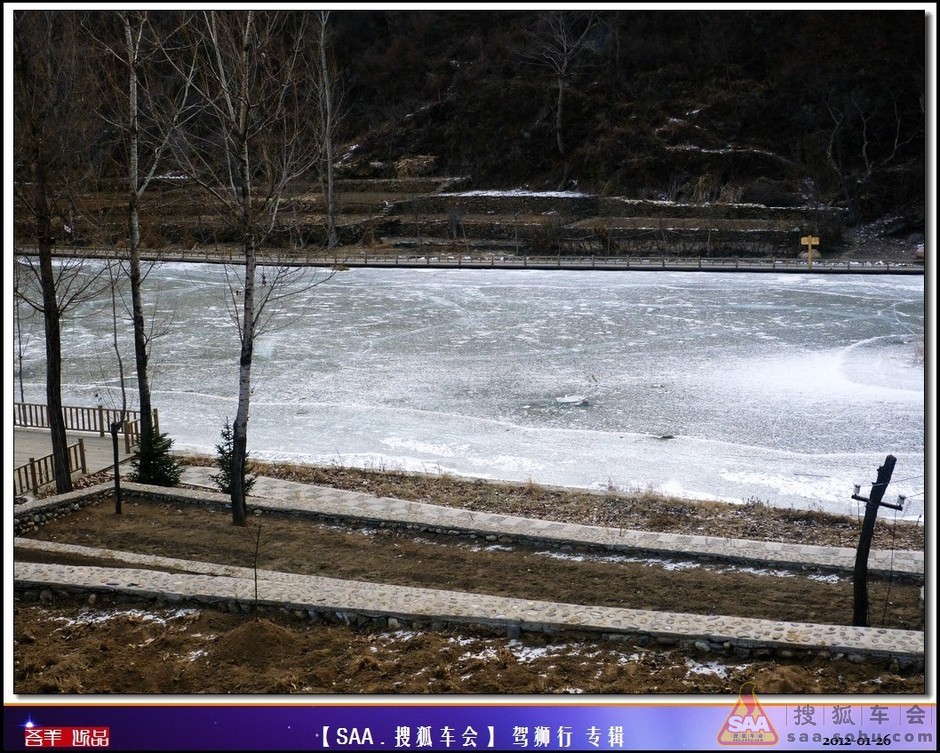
[(327, 128), (140, 338), (254, 85), (44, 69), (133, 233), (51, 315), (122, 418), (18, 323), (852, 190), (559, 110), (60, 452), (860, 576), (240, 425)]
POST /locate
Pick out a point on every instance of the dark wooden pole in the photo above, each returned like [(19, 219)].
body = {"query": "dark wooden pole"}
[(115, 425), (860, 616)]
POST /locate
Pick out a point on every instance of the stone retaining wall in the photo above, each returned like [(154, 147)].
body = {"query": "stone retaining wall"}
[(820, 219), (551, 238), (744, 650)]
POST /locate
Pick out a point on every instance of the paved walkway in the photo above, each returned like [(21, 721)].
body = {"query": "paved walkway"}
[(351, 601), (36, 443), (274, 494)]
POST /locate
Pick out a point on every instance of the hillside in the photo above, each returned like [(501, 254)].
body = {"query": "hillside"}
[(415, 217), (773, 108), (727, 133)]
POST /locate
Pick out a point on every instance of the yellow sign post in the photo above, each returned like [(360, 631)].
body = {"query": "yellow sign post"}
[(809, 241)]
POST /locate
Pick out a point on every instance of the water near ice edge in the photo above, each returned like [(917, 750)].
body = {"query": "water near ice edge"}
[(784, 388)]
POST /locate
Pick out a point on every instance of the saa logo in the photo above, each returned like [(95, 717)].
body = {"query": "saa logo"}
[(748, 723)]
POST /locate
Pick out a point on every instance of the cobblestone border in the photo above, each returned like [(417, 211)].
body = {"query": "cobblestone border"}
[(703, 645), (31, 516)]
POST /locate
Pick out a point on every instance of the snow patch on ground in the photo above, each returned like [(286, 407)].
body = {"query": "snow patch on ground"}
[(527, 654), (711, 668), (520, 192), (672, 565), (92, 618)]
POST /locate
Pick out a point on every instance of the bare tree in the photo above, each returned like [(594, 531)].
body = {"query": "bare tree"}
[(50, 120), (121, 416), (329, 99), (559, 41), (868, 134), (248, 141), (132, 43)]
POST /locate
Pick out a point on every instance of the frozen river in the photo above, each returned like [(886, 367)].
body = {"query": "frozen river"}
[(783, 388)]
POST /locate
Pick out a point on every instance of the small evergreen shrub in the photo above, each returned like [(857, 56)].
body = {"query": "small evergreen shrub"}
[(223, 461), (153, 463)]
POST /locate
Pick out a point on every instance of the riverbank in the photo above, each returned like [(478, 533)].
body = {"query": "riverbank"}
[(884, 258), (436, 230)]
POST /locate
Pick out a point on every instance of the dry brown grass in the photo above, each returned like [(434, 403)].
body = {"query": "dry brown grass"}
[(639, 509)]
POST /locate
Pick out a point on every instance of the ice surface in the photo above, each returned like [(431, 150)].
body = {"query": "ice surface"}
[(785, 388)]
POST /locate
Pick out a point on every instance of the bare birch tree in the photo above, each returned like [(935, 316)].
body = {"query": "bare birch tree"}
[(250, 139), (146, 116)]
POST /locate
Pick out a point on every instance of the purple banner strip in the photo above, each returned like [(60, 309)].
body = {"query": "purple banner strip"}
[(744, 725)]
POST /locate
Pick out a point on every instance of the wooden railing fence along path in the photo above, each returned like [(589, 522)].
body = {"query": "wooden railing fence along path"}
[(432, 255), (39, 471)]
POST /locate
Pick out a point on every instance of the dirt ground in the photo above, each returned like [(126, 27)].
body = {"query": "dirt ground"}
[(100, 645)]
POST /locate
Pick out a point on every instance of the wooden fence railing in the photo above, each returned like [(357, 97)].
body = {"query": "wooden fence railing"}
[(432, 256), (96, 420), (40, 471)]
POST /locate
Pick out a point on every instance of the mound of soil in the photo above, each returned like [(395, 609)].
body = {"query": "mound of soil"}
[(257, 641)]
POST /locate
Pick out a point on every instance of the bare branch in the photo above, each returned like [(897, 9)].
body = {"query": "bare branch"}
[(285, 283)]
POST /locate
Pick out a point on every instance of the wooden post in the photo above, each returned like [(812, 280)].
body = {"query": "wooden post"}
[(32, 474), (156, 423), (809, 241), (101, 420), (860, 614), (81, 455), (115, 425)]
